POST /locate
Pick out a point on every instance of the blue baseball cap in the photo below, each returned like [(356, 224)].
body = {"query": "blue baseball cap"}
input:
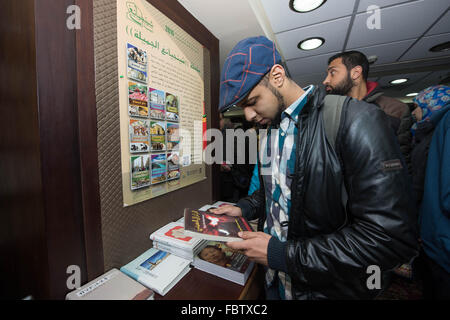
[(245, 66)]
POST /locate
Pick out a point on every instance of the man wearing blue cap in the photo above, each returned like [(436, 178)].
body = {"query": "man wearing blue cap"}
[(332, 212)]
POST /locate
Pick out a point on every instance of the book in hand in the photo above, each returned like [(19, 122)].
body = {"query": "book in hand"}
[(171, 238), (157, 270), (113, 285), (218, 259), (206, 225)]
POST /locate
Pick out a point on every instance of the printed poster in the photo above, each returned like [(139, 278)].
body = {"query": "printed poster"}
[(158, 136), (140, 172), (173, 166), (137, 100), (162, 76), (139, 136), (173, 136), (172, 111), (157, 104), (159, 168), (137, 63)]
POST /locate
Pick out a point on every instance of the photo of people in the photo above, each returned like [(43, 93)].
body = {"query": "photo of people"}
[(137, 63)]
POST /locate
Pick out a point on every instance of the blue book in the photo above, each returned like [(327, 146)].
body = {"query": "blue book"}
[(157, 270)]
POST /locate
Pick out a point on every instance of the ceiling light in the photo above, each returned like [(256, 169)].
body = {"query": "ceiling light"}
[(303, 6), (412, 94), (311, 43), (441, 47), (398, 81), (372, 59)]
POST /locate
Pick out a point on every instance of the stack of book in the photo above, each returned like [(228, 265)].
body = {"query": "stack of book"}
[(171, 238), (113, 285), (218, 259), (157, 270)]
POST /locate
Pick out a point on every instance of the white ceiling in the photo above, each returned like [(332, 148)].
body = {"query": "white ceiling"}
[(409, 28)]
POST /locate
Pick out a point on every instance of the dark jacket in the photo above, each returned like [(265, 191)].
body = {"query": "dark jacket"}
[(404, 136), (392, 107), (330, 246), (435, 209), (419, 155)]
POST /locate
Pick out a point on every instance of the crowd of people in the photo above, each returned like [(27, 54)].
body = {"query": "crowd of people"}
[(377, 194)]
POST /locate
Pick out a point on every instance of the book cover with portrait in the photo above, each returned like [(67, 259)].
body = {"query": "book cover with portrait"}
[(222, 261)]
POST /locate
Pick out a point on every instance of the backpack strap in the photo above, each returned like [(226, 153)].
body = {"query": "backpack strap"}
[(332, 105), (332, 111)]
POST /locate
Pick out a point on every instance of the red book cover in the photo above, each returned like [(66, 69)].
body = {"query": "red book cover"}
[(206, 225)]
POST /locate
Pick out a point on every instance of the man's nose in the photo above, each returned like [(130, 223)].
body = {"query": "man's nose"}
[(326, 81), (250, 114)]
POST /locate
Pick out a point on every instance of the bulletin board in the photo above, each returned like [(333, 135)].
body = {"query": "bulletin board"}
[(129, 216), (162, 103)]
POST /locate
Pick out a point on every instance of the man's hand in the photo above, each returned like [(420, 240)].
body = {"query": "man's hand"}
[(228, 210), (254, 246)]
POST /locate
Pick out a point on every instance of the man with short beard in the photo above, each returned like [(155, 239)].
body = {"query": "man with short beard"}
[(347, 75), (312, 243)]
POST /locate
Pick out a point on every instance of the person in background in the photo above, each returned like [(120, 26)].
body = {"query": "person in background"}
[(228, 191), (312, 244), (235, 177), (434, 221), (254, 182), (347, 75), (404, 135), (427, 103)]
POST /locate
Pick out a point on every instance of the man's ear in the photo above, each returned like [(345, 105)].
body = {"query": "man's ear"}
[(277, 76), (356, 73)]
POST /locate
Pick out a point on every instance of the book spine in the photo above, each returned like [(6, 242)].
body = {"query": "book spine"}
[(129, 273), (211, 237), (177, 252), (170, 243)]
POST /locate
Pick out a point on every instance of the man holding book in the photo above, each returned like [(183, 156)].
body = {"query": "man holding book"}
[(328, 212)]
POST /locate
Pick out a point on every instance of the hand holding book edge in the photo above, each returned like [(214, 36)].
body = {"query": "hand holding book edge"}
[(254, 245)]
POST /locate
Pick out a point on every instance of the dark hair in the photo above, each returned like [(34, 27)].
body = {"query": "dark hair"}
[(352, 59)]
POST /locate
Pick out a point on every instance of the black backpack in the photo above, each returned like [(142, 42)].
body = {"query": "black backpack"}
[(333, 105)]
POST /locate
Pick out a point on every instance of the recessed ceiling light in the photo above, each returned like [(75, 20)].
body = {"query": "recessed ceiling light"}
[(303, 6), (412, 94), (311, 43), (398, 81), (441, 47)]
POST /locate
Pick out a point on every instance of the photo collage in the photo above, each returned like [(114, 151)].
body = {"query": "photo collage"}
[(154, 126)]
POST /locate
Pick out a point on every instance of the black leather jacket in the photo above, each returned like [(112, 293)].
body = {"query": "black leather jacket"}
[(330, 246)]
